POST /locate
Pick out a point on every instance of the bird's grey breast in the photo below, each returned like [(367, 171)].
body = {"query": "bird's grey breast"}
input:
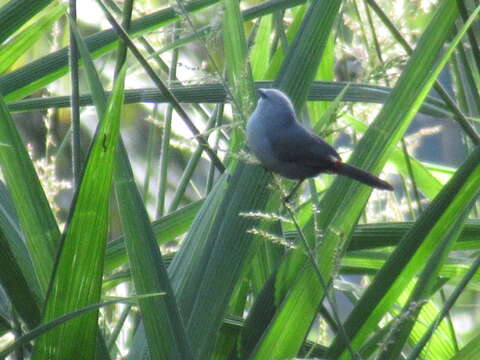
[(258, 136)]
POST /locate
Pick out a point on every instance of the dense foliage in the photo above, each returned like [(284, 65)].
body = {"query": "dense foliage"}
[(148, 230)]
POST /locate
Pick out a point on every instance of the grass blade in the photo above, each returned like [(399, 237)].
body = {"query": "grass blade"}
[(36, 218), (77, 280), (164, 328)]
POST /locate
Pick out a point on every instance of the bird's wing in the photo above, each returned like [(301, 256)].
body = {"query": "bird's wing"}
[(298, 145)]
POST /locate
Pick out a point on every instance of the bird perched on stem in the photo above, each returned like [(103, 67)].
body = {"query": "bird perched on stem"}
[(286, 147)]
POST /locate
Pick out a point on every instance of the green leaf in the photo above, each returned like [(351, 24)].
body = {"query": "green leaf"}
[(166, 229), (16, 12), (470, 350), (259, 52), (163, 325), (78, 275), (278, 57), (17, 278), (36, 219), (44, 328), (161, 317), (238, 68), (215, 93), (414, 317), (24, 40), (426, 182)]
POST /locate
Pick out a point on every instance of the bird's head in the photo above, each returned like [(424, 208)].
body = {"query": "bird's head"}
[(276, 105)]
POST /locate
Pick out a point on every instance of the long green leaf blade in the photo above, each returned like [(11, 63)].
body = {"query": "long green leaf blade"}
[(15, 48), (16, 12), (78, 276), (18, 278), (36, 218), (164, 328)]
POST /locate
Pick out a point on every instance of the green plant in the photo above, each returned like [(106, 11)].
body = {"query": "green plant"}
[(228, 270)]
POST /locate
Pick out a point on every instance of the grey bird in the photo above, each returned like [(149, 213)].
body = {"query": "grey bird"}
[(284, 146)]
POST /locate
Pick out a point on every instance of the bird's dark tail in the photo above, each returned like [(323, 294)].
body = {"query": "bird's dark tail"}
[(364, 177)]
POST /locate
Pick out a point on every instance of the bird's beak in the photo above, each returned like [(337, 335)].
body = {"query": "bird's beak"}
[(262, 93)]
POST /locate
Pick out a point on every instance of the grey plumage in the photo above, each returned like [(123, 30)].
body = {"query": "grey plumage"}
[(286, 147)]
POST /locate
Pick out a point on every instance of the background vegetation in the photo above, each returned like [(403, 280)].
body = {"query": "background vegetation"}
[(152, 233)]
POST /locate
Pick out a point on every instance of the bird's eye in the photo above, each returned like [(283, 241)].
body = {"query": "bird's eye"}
[(262, 93)]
